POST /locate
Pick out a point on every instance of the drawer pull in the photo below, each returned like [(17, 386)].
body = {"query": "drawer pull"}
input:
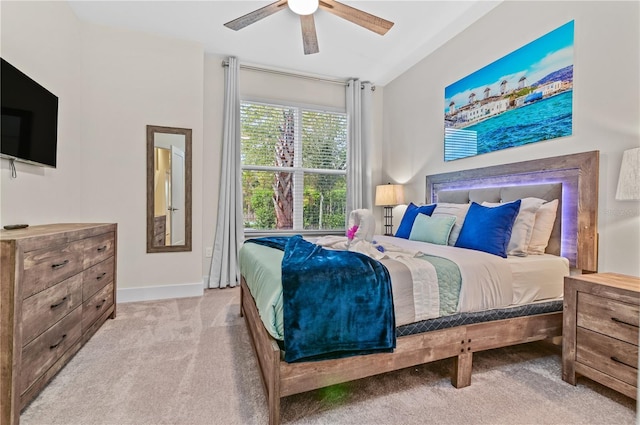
[(617, 360), (51, 347), (99, 306), (101, 276), (615, 319), (59, 265), (59, 304), (102, 248)]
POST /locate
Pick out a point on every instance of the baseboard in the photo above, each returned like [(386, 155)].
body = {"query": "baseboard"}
[(150, 293)]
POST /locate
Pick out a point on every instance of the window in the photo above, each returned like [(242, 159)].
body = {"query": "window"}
[(294, 167)]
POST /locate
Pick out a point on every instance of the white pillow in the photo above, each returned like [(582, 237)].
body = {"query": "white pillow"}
[(542, 227), (459, 211), (523, 226)]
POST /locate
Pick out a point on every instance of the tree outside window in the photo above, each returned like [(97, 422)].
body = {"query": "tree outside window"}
[(293, 167)]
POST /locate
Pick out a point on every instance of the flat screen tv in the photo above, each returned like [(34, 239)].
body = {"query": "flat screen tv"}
[(29, 119)]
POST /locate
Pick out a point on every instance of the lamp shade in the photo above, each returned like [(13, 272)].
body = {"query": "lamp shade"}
[(629, 180), (389, 194)]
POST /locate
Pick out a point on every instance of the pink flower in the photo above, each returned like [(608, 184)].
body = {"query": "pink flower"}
[(351, 233)]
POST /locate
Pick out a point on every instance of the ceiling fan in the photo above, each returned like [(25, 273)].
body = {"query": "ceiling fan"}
[(306, 9)]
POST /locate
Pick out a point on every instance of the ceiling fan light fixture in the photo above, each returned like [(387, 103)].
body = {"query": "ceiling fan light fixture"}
[(303, 7)]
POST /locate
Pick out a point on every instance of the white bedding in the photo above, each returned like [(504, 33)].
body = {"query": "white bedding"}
[(532, 278), (538, 277), (487, 280)]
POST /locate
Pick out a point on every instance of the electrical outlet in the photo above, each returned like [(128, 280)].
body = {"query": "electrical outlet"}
[(208, 252)]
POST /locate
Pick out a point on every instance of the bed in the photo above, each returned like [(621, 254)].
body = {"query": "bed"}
[(572, 179)]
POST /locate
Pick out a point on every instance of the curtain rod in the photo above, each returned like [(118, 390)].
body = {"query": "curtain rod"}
[(291, 74)]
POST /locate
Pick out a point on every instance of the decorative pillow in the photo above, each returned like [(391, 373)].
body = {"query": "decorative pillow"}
[(404, 229), (523, 226), (542, 227), (432, 229), (488, 229), (459, 211)]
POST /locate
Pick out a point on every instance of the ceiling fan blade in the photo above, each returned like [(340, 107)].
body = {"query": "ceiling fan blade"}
[(357, 16), (309, 36), (256, 15)]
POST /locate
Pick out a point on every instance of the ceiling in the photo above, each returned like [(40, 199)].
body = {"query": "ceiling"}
[(346, 50)]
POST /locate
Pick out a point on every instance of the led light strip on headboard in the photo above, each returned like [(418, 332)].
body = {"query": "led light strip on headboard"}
[(578, 174)]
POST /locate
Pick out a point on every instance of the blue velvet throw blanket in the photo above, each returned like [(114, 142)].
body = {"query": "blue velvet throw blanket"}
[(335, 303)]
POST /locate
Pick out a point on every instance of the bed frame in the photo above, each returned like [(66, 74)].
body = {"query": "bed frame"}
[(578, 174)]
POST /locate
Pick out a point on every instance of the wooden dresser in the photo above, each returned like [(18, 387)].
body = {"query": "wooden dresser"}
[(57, 287), (159, 230), (600, 330)]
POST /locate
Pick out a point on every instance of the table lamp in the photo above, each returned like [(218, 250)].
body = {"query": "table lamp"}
[(388, 196)]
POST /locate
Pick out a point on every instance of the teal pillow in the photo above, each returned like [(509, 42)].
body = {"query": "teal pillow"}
[(404, 230), (488, 229), (432, 229)]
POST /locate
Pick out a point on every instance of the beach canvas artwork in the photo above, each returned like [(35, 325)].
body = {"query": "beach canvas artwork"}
[(521, 98)]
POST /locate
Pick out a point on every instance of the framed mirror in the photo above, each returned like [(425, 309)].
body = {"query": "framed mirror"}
[(168, 189)]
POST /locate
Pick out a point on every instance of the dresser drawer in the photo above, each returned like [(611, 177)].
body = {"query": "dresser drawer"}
[(97, 277), (98, 249), (44, 309), (46, 267), (609, 317), (159, 239), (41, 353), (160, 225), (608, 355), (96, 306)]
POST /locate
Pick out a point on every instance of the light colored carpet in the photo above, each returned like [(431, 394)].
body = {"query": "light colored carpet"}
[(189, 361)]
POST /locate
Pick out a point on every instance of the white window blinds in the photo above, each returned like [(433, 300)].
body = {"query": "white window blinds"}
[(294, 174)]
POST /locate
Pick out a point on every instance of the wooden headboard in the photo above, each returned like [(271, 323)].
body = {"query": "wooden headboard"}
[(578, 175)]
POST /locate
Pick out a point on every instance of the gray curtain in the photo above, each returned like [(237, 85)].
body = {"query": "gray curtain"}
[(359, 115), (229, 228)]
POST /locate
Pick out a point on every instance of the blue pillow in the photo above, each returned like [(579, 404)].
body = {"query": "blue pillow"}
[(488, 229), (404, 230), (432, 229)]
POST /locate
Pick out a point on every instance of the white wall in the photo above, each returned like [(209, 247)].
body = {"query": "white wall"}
[(43, 40), (131, 80), (111, 84), (606, 106)]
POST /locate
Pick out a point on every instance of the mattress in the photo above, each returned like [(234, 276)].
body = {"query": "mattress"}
[(538, 277), (488, 282)]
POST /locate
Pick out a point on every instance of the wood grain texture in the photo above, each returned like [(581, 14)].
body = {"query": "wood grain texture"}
[(41, 309), (151, 245), (281, 379), (97, 249), (95, 306), (256, 15), (600, 328), (266, 350), (10, 329), (462, 366), (609, 317), (579, 175), (359, 17), (44, 309), (46, 267), (41, 353), (611, 356), (97, 277), (159, 230), (309, 36)]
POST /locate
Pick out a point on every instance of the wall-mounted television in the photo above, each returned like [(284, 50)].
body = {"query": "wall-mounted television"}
[(29, 124)]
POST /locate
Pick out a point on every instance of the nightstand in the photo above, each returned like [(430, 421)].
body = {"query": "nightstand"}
[(600, 330)]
